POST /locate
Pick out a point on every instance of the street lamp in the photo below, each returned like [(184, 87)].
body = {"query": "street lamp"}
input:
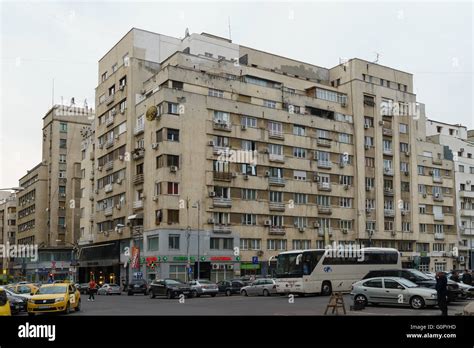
[(198, 206)]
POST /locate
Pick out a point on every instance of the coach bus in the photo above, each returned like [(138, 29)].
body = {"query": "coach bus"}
[(323, 271)]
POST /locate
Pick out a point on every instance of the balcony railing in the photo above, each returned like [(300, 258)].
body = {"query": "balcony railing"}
[(324, 209), (388, 171), (437, 179), (276, 230), (138, 179), (388, 191), (218, 150), (108, 188), (223, 176), (109, 120), (108, 211), (138, 153), (387, 151), (139, 129), (137, 204), (276, 181), (387, 131), (109, 99), (277, 206), (222, 229), (438, 197), (436, 161), (467, 194), (276, 134), (222, 202), (109, 143), (324, 186), (439, 235), (324, 164), (109, 165), (323, 142), (389, 212), (439, 217), (222, 125), (61, 196), (276, 158), (467, 212)]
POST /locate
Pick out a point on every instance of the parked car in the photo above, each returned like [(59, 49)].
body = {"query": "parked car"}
[(169, 288), (466, 290), (230, 287), (419, 278), (23, 288), (109, 289), (137, 287), (203, 287), (394, 291), (265, 287), (58, 297), (25, 296), (17, 304)]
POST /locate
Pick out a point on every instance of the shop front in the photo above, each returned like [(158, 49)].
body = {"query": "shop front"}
[(100, 262)]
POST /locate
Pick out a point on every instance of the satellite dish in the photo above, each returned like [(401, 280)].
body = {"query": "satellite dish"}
[(151, 113)]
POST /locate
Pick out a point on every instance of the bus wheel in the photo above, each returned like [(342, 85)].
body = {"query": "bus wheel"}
[(326, 288)]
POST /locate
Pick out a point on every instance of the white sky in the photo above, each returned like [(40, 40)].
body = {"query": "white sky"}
[(64, 40)]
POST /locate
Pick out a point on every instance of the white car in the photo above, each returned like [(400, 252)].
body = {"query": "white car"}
[(393, 290), (12, 293), (109, 289)]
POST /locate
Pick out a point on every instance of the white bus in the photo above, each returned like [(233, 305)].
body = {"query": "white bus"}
[(323, 271)]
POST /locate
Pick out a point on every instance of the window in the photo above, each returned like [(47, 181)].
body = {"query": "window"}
[(173, 108), (173, 188), (276, 244), (208, 55), (439, 247), (368, 121), (370, 162), (345, 180), (276, 220), (345, 138), (173, 216), (247, 145), (422, 209), (269, 103), (275, 149), (250, 244), (461, 169), (62, 158), (249, 122), (404, 147), (300, 198), (153, 243), (249, 169), (249, 219), (387, 146), (275, 128), (62, 174), (216, 93), (62, 143), (403, 128), (345, 202), (299, 175), (299, 152), (369, 182), (388, 225), (214, 243), (404, 166), (299, 130), (276, 196), (368, 141), (421, 170), (301, 244), (300, 221), (221, 218), (249, 194), (104, 76), (345, 224), (221, 141), (63, 127), (330, 96), (173, 134), (173, 241), (423, 228)]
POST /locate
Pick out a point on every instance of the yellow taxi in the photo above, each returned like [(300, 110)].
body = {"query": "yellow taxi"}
[(58, 297), (4, 304), (23, 288)]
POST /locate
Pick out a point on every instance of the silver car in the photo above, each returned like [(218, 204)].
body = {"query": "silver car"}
[(393, 290), (203, 287), (109, 289), (265, 287)]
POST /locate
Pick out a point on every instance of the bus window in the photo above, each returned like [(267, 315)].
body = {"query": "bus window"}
[(289, 265), (310, 260)]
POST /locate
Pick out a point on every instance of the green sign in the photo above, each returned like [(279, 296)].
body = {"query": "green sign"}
[(237, 258), (183, 258), (249, 266)]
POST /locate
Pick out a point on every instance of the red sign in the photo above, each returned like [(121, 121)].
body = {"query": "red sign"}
[(135, 258), (221, 258)]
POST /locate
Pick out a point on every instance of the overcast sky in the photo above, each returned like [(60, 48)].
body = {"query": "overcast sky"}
[(42, 41)]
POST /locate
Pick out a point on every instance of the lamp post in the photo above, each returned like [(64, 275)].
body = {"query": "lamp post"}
[(198, 206)]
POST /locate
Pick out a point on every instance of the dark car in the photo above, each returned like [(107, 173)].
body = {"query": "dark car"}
[(17, 304), (169, 288), (83, 288), (230, 287), (137, 287), (419, 278)]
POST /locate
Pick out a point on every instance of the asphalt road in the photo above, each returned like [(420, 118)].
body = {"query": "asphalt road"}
[(238, 305)]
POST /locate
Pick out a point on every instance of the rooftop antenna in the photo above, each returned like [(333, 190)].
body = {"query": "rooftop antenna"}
[(52, 95), (377, 56), (230, 31), (186, 32)]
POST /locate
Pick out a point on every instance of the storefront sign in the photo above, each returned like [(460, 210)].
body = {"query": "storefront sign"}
[(135, 257), (249, 266), (221, 258)]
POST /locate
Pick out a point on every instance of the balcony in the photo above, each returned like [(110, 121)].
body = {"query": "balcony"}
[(276, 230), (388, 191), (389, 212), (275, 134), (222, 125), (108, 188), (466, 231), (387, 131), (109, 121), (138, 204), (276, 181), (61, 196), (91, 155), (439, 217), (276, 158), (467, 194), (324, 209), (322, 142), (438, 197), (138, 179), (222, 176), (109, 100), (223, 229), (323, 230), (276, 206), (439, 235), (388, 171), (438, 179), (218, 150), (324, 186), (108, 211), (388, 152), (324, 164), (109, 143), (139, 129), (138, 153), (109, 165), (222, 202), (437, 161), (467, 212)]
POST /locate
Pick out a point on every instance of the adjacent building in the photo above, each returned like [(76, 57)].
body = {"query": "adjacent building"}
[(8, 206)]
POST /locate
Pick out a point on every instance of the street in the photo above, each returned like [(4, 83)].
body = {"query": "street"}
[(238, 305)]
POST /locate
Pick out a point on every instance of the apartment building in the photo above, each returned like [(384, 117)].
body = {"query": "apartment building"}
[(8, 227), (48, 207), (455, 137), (254, 152)]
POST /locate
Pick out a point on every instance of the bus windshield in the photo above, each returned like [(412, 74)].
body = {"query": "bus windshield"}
[(288, 266)]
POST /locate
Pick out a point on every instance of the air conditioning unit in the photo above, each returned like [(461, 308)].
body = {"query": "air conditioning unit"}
[(173, 169), (122, 87), (121, 157), (461, 259), (431, 172), (243, 127), (393, 233), (211, 143), (101, 146), (91, 198), (343, 104), (468, 182), (366, 126), (267, 222), (230, 267), (154, 146), (99, 168), (265, 151), (342, 165), (119, 181), (234, 175), (246, 177), (301, 229), (155, 198), (212, 194), (461, 150), (404, 212), (316, 224), (96, 191), (106, 233), (344, 230), (267, 173), (215, 266), (436, 195), (210, 221), (368, 210), (113, 112), (381, 123), (143, 91), (407, 173), (424, 195), (407, 153), (117, 136), (119, 230), (118, 207)]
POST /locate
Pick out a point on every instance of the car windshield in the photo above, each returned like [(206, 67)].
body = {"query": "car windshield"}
[(204, 282), (289, 265), (407, 283), (172, 282), (419, 274), (44, 290)]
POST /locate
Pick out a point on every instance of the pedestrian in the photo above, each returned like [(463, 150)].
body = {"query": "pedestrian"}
[(92, 288), (50, 280), (442, 291), (467, 277)]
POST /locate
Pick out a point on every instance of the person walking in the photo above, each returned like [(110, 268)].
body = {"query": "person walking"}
[(442, 291), (467, 277), (92, 288)]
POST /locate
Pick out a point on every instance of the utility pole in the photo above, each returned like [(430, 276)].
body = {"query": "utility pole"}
[(198, 206)]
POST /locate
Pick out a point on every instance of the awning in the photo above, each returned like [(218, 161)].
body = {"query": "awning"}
[(136, 216), (100, 252)]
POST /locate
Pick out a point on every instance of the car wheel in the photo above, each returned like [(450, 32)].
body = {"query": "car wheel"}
[(30, 314), (78, 307), (361, 298), (416, 302), (244, 292), (326, 288), (195, 293), (213, 295), (129, 294), (228, 292), (152, 294), (169, 295), (266, 292)]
